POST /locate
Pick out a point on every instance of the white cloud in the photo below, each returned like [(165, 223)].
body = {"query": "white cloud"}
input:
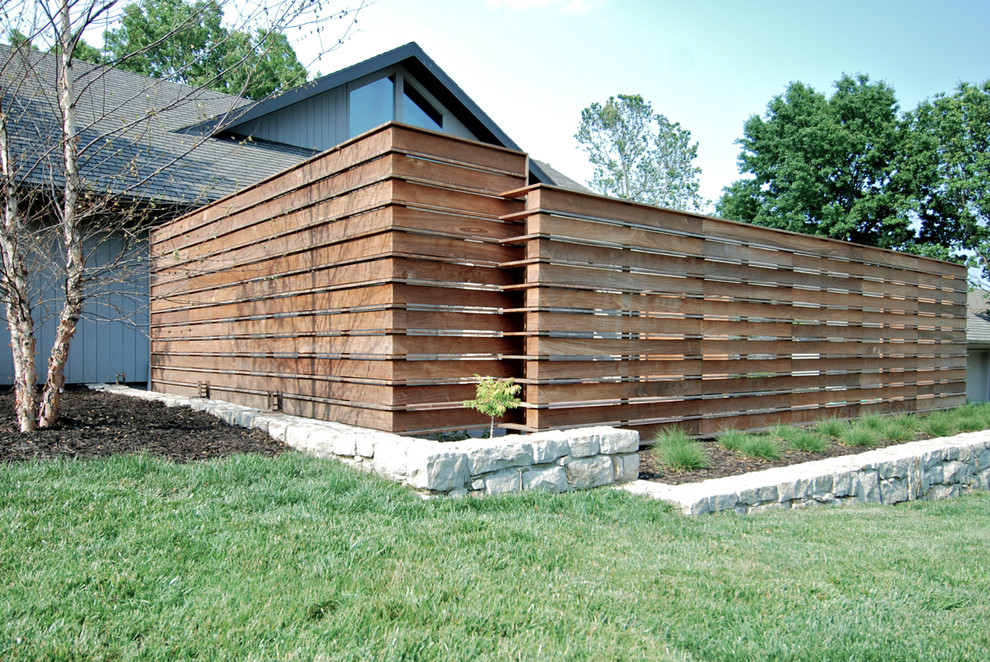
[(565, 6)]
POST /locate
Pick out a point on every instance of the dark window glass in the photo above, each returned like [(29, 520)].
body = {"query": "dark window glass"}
[(417, 111), (371, 105)]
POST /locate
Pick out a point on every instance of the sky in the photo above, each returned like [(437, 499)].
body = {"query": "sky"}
[(533, 65)]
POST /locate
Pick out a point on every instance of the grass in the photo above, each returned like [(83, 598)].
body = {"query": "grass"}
[(294, 558), (831, 427), (807, 441), (760, 446), (860, 436), (677, 451)]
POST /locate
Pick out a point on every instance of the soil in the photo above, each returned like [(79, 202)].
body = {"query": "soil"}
[(724, 463), (95, 424)]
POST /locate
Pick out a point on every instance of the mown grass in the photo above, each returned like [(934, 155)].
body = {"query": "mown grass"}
[(294, 558)]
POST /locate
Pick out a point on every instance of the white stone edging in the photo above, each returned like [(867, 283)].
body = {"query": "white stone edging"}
[(930, 469), (556, 461)]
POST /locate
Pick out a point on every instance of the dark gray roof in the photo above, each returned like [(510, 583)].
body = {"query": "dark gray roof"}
[(130, 138), (559, 178), (978, 319)]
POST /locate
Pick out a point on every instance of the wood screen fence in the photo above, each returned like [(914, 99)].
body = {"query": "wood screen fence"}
[(369, 284)]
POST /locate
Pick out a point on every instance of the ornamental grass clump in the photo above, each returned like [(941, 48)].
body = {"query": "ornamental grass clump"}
[(677, 451), (902, 428), (760, 447), (939, 424), (807, 441), (859, 436), (831, 427), (731, 440)]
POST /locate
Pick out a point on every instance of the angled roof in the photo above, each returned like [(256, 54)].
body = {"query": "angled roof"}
[(423, 69), (978, 318), (131, 141)]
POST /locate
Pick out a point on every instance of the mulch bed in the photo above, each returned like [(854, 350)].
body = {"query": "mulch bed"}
[(94, 424), (724, 463)]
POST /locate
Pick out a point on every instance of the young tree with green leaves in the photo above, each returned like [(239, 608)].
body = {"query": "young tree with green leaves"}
[(493, 397), (639, 154)]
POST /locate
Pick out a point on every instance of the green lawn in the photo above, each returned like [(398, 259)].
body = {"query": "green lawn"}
[(295, 559)]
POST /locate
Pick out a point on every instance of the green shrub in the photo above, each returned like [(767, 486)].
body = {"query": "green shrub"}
[(859, 436), (807, 441), (831, 427), (760, 446), (677, 451)]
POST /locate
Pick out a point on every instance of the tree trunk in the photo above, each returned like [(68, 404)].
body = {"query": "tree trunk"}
[(71, 233), (14, 282)]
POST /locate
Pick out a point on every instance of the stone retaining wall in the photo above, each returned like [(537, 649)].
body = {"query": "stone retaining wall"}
[(932, 469), (556, 461)]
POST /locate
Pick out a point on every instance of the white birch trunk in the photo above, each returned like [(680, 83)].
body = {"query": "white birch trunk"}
[(14, 281), (70, 231)]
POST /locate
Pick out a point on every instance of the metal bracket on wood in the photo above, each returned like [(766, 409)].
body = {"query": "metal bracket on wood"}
[(120, 377), (203, 390), (274, 401)]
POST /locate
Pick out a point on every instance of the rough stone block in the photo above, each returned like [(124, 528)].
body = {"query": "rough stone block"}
[(589, 472), (842, 484), (433, 469), (549, 479), (504, 482), (390, 459), (343, 444), (615, 442), (625, 467), (867, 488), (894, 490), (584, 445), (486, 456), (951, 472), (548, 450), (365, 445)]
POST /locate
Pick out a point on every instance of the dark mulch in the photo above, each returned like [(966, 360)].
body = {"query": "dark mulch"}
[(95, 424), (724, 463)]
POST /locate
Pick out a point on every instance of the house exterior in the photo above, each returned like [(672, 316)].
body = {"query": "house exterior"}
[(978, 346), (174, 148)]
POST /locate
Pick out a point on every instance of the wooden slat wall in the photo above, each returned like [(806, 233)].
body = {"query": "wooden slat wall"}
[(364, 285), (370, 283), (642, 317)]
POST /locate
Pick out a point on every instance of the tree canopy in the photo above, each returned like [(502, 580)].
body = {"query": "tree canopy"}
[(639, 154), (187, 42), (852, 166)]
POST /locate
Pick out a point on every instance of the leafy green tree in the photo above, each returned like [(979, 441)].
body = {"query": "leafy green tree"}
[(833, 167), (493, 397), (639, 154), (188, 43), (950, 153)]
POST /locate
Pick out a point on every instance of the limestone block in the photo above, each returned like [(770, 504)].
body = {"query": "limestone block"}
[(894, 490), (477, 485), (584, 445), (365, 445), (504, 482), (625, 467), (893, 468), (589, 472), (951, 472), (434, 469), (343, 444), (821, 485), (983, 461), (614, 442), (485, 456), (936, 475), (842, 484), (390, 459), (297, 436), (549, 479), (867, 487), (548, 449)]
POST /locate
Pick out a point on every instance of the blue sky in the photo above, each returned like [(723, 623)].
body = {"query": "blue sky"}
[(534, 64)]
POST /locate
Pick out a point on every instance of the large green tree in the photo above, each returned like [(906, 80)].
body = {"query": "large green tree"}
[(187, 42), (830, 166), (950, 155), (639, 154)]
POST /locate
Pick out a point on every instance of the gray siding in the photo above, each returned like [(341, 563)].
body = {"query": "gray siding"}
[(111, 338), (317, 123), (978, 375)]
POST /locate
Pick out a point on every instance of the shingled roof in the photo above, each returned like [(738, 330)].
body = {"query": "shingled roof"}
[(978, 319), (132, 141)]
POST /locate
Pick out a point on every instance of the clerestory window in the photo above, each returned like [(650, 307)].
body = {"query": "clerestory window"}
[(393, 96)]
